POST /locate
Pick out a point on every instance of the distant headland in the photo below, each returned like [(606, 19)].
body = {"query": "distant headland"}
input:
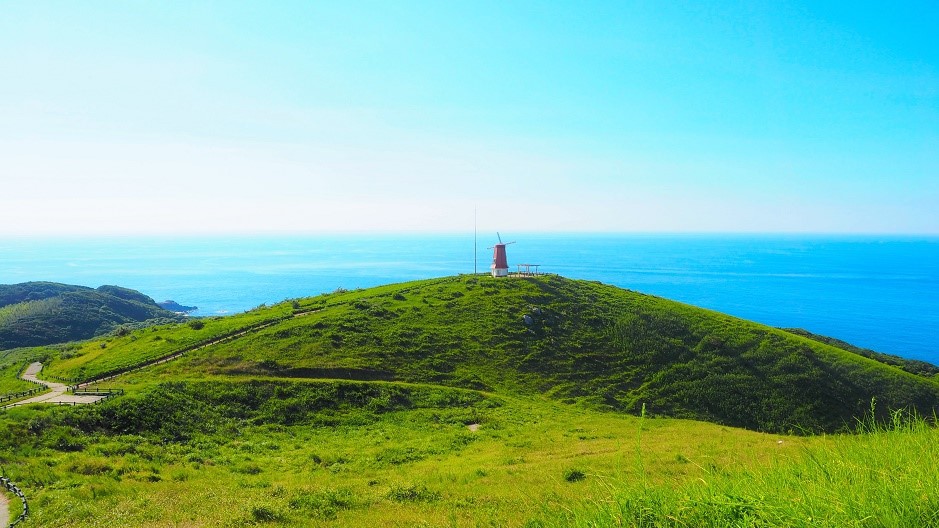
[(174, 306)]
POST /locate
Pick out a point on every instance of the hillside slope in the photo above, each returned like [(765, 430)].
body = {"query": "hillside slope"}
[(42, 313), (913, 366), (575, 341)]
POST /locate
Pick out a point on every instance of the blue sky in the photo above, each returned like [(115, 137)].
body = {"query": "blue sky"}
[(205, 117)]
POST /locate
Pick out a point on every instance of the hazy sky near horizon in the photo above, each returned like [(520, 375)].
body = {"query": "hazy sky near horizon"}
[(228, 117)]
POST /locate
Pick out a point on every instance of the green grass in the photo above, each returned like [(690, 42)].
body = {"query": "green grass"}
[(12, 364), (913, 366), (882, 476), (9, 378), (359, 453), (576, 341), (218, 452), (439, 403), (106, 355)]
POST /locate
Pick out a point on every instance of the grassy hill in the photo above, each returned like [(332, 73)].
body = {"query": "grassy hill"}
[(913, 366), (213, 452), (470, 401), (574, 341), (42, 313)]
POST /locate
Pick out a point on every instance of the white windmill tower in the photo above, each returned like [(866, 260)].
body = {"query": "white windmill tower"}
[(500, 264)]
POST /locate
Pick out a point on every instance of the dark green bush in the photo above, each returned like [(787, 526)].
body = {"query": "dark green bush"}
[(574, 475)]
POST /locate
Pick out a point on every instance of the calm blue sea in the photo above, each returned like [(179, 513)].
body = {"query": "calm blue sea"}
[(876, 292)]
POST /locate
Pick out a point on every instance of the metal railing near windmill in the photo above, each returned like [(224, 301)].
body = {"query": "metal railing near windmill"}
[(527, 272)]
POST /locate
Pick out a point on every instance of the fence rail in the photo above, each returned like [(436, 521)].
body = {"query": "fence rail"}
[(105, 393), (21, 394), (14, 489), (61, 379), (115, 372), (40, 387), (93, 391)]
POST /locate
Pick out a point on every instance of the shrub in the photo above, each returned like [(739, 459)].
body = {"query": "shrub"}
[(90, 466), (574, 475), (248, 469), (413, 493), (264, 513), (63, 439), (324, 504)]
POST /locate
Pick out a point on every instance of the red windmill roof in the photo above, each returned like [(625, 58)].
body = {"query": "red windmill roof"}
[(498, 257)]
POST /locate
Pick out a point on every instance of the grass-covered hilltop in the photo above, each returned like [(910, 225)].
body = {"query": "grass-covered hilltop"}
[(574, 341), (474, 401)]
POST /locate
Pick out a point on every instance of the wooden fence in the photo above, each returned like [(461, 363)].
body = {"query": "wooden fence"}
[(40, 387), (14, 489), (106, 392), (113, 373), (21, 394)]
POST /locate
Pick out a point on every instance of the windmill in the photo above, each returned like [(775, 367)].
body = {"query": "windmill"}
[(500, 264)]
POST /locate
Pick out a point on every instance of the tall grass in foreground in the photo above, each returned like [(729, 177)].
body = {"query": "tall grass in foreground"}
[(884, 476)]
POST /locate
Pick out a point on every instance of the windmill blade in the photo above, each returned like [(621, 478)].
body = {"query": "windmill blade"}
[(499, 236)]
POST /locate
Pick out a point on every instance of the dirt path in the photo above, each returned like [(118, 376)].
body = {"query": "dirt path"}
[(4, 510), (57, 393)]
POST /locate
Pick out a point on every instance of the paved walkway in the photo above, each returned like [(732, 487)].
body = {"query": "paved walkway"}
[(56, 395)]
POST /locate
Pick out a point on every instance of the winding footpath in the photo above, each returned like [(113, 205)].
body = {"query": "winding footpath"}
[(181, 353), (57, 392)]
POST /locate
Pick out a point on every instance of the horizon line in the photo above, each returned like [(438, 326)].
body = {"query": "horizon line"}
[(411, 233)]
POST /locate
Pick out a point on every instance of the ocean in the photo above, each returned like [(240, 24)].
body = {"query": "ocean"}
[(878, 292)]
